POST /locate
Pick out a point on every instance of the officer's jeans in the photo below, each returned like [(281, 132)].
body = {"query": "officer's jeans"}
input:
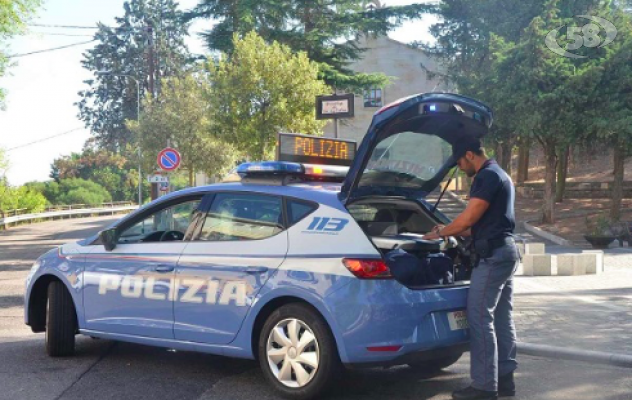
[(489, 313)]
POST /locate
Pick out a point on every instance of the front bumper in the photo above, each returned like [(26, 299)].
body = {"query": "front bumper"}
[(372, 314)]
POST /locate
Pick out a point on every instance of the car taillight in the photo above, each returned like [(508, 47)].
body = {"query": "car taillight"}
[(368, 269)]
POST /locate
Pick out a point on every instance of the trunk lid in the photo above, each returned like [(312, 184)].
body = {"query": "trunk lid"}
[(407, 149)]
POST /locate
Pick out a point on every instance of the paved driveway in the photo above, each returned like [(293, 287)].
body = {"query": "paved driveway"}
[(109, 370)]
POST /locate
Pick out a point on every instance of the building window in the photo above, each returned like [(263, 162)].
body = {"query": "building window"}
[(373, 98)]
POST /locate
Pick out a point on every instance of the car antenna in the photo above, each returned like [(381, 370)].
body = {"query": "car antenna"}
[(434, 208)]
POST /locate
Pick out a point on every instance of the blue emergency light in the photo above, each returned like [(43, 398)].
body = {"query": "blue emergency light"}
[(271, 167)]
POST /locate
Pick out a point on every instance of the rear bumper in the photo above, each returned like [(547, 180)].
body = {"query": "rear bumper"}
[(417, 356), (383, 322)]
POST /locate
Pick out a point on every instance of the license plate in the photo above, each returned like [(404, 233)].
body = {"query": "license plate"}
[(457, 320)]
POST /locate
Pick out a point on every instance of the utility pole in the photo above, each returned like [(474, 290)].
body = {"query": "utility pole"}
[(150, 61)]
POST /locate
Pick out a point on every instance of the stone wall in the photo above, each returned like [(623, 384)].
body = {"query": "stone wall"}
[(576, 190)]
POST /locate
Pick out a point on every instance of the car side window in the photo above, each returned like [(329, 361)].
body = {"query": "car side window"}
[(168, 224), (237, 216), (299, 210)]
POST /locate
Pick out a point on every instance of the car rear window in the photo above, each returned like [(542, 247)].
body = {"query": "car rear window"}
[(299, 210)]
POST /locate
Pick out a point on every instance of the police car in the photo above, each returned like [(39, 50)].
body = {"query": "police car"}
[(286, 265)]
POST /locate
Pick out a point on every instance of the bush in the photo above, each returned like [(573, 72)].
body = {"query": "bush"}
[(81, 191), (21, 197), (30, 199)]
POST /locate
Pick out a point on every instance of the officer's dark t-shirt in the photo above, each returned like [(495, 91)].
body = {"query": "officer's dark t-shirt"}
[(493, 185)]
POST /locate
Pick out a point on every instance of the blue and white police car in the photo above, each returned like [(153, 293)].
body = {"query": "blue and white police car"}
[(287, 265)]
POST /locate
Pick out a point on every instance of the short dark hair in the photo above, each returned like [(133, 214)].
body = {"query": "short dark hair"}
[(465, 144), (480, 152)]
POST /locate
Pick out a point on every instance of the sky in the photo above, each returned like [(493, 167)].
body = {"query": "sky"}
[(42, 88)]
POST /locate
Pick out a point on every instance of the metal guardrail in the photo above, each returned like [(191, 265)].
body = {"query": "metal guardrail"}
[(67, 211)]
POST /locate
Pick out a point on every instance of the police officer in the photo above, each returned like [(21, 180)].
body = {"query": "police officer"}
[(489, 219)]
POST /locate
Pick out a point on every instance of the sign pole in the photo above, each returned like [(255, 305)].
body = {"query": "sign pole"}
[(335, 128)]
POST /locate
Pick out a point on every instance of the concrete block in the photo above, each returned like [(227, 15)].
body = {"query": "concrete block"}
[(538, 264), (593, 259), (571, 264), (534, 248)]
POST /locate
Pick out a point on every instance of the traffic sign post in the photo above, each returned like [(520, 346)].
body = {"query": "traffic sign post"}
[(157, 179), (169, 159)]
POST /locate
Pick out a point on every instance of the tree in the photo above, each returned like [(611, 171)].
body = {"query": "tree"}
[(464, 39), (609, 84), (545, 90), (116, 173), (147, 44), (13, 17), (328, 31), (4, 162), (181, 117), (81, 191), (260, 91)]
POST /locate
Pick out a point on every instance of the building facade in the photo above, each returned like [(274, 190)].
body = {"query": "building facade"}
[(408, 70)]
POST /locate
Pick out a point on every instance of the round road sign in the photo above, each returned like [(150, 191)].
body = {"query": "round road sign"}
[(169, 159)]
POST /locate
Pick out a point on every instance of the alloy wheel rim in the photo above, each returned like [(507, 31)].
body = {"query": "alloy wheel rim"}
[(293, 353)]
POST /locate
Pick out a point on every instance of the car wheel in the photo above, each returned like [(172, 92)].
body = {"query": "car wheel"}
[(435, 365), (61, 321), (297, 352)]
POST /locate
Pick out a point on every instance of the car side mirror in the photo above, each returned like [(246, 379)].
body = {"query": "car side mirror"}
[(109, 238)]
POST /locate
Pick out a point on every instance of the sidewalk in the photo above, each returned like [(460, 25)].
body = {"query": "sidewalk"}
[(591, 312)]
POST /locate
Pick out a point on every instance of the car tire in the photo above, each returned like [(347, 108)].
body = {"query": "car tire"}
[(305, 380), (435, 365), (61, 321)]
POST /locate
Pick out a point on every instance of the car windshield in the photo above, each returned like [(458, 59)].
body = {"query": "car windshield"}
[(406, 159)]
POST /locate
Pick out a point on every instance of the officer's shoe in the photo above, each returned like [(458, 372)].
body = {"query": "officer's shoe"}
[(506, 385), (470, 393)]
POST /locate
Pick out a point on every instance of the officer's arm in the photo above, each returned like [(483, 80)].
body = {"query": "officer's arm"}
[(473, 212)]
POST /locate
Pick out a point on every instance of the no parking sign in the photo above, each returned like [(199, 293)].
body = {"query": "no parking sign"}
[(169, 159)]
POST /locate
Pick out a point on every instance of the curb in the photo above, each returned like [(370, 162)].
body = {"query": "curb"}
[(567, 353), (546, 235)]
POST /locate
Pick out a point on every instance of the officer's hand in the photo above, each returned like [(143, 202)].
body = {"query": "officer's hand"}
[(434, 234), (431, 236)]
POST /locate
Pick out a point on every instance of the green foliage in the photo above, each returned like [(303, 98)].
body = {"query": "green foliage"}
[(4, 163), (608, 84), (260, 91), (124, 50), (118, 174), (12, 198), (13, 17), (598, 225), (181, 117), (327, 31), (81, 191), (70, 191)]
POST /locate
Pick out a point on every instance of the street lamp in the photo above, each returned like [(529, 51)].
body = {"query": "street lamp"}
[(140, 163)]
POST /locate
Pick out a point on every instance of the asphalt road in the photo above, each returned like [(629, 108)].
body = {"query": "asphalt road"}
[(112, 370)]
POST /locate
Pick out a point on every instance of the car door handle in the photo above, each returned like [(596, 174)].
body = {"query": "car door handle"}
[(256, 270), (164, 268)]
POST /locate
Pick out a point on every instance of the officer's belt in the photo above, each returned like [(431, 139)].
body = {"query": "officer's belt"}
[(500, 242), (484, 248)]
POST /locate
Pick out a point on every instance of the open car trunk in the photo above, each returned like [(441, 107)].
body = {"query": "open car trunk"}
[(396, 226), (405, 155)]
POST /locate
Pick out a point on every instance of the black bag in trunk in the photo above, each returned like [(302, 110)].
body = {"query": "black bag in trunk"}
[(409, 270)]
